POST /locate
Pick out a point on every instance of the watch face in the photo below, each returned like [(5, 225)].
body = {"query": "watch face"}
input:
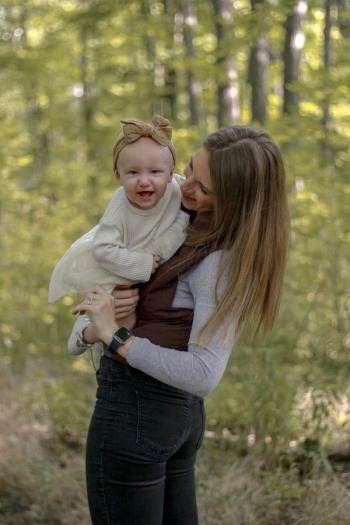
[(123, 334)]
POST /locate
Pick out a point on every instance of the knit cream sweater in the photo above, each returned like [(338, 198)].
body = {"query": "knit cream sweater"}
[(120, 249)]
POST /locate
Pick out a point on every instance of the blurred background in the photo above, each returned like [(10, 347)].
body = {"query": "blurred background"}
[(69, 72)]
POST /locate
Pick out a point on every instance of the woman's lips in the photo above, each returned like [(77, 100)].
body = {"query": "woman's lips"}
[(187, 198)]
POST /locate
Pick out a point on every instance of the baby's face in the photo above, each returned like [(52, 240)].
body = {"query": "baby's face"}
[(144, 168)]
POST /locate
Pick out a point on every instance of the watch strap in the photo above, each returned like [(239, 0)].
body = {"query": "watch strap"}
[(120, 337)]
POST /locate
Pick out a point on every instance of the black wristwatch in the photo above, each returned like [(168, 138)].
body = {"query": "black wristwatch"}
[(120, 337)]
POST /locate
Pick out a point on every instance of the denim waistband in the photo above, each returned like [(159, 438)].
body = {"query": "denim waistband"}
[(113, 370)]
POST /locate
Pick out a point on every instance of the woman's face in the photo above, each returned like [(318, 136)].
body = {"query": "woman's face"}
[(197, 190)]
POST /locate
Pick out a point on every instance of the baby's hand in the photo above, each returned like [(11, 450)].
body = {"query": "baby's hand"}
[(125, 300), (156, 259)]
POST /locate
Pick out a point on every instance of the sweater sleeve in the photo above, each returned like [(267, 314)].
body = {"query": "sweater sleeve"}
[(174, 236), (170, 241), (199, 370), (109, 250)]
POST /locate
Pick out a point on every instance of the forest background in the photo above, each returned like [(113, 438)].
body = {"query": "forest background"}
[(69, 71)]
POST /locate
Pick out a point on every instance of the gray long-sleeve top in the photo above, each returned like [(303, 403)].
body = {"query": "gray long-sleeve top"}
[(199, 370)]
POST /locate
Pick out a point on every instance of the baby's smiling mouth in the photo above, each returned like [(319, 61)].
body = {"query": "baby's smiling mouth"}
[(145, 193)]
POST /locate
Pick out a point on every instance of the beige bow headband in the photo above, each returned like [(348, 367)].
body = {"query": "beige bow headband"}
[(134, 129)]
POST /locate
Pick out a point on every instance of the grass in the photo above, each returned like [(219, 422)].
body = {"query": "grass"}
[(42, 466), (236, 490), (41, 473)]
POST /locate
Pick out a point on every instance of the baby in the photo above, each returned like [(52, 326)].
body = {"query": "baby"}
[(142, 226)]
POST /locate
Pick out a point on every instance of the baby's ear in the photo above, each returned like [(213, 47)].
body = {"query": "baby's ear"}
[(171, 175), (117, 175)]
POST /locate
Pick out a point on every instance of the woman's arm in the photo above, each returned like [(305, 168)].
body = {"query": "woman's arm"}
[(199, 370)]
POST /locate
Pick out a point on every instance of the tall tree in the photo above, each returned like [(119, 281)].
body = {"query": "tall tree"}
[(150, 47), (170, 74), (228, 88), (258, 66), (190, 20), (327, 57), (343, 17), (293, 44)]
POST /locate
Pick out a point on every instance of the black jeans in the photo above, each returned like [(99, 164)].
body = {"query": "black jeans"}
[(141, 450)]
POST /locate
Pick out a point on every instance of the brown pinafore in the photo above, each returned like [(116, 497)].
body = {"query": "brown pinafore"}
[(157, 320)]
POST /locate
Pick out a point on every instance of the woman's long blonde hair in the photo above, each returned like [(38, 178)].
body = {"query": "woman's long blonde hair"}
[(251, 223)]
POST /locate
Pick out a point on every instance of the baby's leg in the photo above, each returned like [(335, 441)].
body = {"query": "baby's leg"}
[(80, 337), (89, 334)]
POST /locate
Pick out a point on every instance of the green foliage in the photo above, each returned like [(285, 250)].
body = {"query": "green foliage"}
[(66, 401), (68, 73)]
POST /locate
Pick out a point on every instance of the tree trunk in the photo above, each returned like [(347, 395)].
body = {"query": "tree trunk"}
[(327, 59), (258, 73), (150, 52), (170, 79), (90, 89), (190, 20), (343, 17), (293, 44), (228, 91), (39, 137)]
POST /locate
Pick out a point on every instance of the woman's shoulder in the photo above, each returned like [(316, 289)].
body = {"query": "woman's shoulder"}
[(214, 259), (211, 260), (206, 271), (201, 280)]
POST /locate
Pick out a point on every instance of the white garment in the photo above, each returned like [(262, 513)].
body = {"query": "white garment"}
[(120, 249)]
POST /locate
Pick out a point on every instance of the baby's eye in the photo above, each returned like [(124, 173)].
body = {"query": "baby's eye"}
[(154, 172), (133, 172)]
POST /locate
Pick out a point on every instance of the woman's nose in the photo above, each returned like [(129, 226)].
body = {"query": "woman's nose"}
[(188, 178), (187, 171), (186, 185)]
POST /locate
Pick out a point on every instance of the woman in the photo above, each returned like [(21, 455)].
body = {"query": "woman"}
[(224, 283)]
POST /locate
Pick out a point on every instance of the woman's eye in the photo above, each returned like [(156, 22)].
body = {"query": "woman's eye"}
[(204, 190)]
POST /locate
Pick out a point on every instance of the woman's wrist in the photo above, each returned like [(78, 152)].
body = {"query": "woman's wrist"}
[(123, 350), (117, 347), (107, 335)]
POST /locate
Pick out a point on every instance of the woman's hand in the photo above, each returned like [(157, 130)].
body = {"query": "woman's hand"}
[(102, 306)]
